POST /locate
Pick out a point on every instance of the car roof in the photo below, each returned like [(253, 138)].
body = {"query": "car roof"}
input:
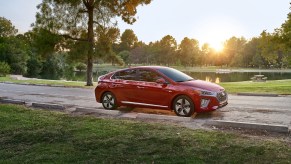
[(150, 67)]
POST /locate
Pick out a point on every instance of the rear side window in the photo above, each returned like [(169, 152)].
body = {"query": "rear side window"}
[(130, 74)]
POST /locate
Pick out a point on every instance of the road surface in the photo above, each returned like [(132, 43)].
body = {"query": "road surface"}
[(255, 109)]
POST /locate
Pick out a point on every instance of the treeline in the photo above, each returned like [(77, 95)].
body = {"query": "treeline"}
[(269, 50), (32, 54), (43, 53)]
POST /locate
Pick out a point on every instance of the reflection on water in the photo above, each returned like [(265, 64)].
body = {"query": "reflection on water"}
[(209, 79)]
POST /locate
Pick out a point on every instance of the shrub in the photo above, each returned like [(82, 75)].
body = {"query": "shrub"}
[(4, 69), (81, 66), (34, 67)]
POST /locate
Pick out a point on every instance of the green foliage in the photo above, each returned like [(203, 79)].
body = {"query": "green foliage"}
[(125, 56), (6, 28), (4, 69), (189, 52), (14, 51), (45, 42), (77, 20), (53, 67), (232, 53), (128, 40), (80, 66), (34, 67), (168, 46)]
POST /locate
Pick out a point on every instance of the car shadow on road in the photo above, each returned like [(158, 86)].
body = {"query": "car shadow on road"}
[(208, 115)]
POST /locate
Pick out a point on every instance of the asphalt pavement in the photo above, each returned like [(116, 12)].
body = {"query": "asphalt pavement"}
[(253, 109)]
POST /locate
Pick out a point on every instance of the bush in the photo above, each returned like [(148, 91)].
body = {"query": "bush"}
[(34, 67), (81, 66), (4, 69), (52, 68)]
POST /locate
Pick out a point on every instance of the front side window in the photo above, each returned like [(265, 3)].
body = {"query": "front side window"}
[(147, 75), (174, 74)]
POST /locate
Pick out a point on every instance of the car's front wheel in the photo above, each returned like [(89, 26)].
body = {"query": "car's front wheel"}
[(183, 106), (109, 101)]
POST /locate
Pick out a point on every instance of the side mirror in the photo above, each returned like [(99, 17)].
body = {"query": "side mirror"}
[(161, 81)]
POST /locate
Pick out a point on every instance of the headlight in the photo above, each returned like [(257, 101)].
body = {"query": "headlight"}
[(205, 93)]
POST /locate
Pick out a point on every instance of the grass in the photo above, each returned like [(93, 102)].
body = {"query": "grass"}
[(31, 136), (45, 82), (274, 86)]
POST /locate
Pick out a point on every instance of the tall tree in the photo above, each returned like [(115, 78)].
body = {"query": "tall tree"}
[(74, 18), (128, 40), (207, 55), (168, 47), (189, 51), (6, 28), (232, 51), (13, 49)]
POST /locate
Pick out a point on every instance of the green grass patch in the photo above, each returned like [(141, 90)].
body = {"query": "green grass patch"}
[(274, 86), (46, 82), (30, 136)]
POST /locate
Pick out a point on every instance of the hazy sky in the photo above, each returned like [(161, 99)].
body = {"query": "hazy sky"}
[(211, 21)]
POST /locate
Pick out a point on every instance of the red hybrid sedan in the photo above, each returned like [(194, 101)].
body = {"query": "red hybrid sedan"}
[(159, 87)]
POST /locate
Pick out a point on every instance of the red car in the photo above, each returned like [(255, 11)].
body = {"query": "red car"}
[(159, 87)]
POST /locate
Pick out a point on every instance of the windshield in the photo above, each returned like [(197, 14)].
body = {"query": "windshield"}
[(174, 74)]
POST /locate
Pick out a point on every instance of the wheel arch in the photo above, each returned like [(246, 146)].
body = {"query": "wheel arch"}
[(181, 94)]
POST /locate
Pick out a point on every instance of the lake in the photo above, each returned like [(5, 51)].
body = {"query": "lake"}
[(237, 76), (208, 76)]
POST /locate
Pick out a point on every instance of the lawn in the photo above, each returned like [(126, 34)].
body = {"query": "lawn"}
[(46, 82), (32, 136), (274, 87)]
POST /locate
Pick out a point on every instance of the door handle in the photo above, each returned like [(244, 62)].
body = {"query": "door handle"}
[(116, 85), (140, 87)]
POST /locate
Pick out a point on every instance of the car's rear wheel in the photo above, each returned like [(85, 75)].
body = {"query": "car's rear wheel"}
[(183, 106), (109, 101)]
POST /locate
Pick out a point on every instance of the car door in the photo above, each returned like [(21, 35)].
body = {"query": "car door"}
[(149, 92), (124, 85)]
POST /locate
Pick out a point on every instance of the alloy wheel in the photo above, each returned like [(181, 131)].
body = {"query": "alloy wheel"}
[(183, 106), (109, 101)]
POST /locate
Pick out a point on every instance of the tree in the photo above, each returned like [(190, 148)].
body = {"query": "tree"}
[(207, 55), (268, 48), (232, 51), (80, 67), (189, 51), (284, 36), (125, 56), (128, 40), (74, 18), (168, 47), (4, 69), (6, 28), (250, 54)]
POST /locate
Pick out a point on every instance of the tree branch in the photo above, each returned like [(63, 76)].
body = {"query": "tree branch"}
[(73, 38)]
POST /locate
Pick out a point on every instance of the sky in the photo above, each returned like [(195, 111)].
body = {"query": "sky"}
[(208, 21)]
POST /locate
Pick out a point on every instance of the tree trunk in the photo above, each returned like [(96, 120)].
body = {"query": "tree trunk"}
[(91, 47)]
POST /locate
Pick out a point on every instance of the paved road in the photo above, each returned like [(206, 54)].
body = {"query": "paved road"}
[(257, 109)]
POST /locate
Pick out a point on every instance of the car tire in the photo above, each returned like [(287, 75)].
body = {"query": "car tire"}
[(183, 106), (109, 101)]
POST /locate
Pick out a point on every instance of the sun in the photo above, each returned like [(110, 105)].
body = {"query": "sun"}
[(216, 31), (217, 45), (216, 37)]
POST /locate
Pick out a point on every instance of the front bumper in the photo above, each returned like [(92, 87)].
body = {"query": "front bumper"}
[(214, 102)]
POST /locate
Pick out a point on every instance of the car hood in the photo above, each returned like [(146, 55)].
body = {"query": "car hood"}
[(203, 85)]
